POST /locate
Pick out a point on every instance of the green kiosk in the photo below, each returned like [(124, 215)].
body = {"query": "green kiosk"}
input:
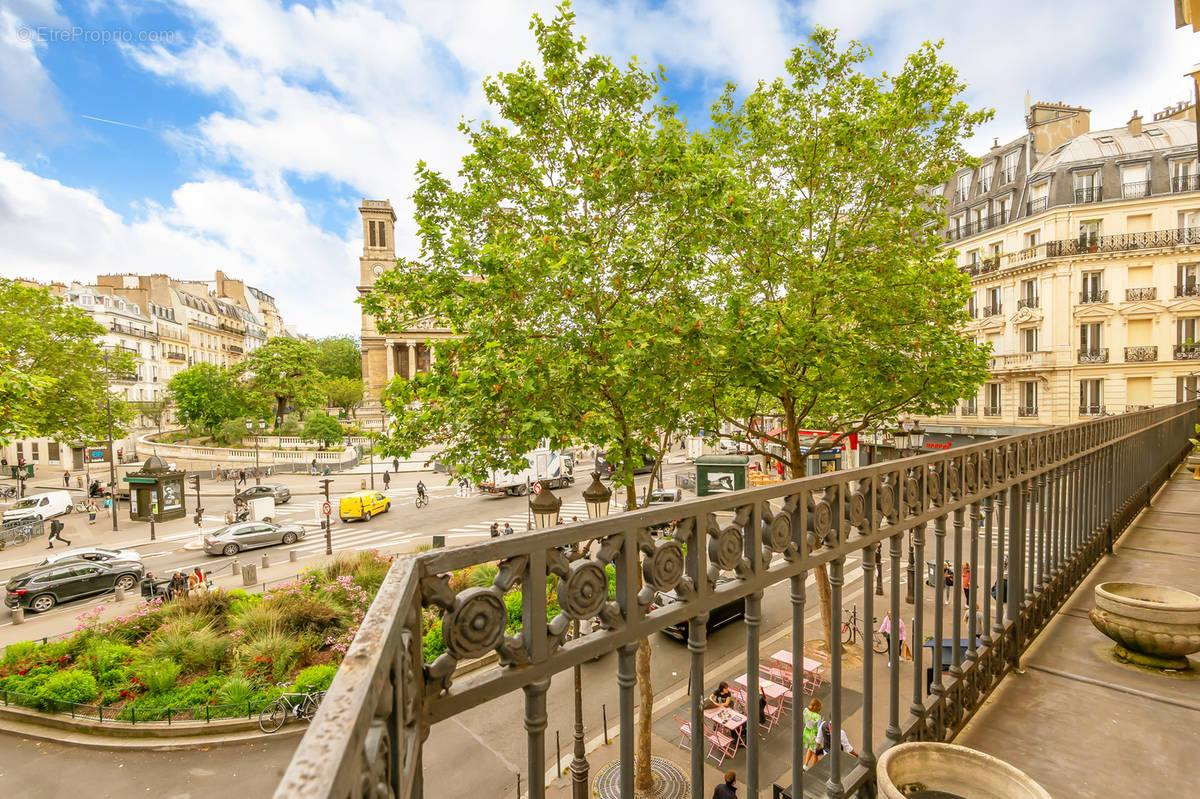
[(156, 492), (719, 473)]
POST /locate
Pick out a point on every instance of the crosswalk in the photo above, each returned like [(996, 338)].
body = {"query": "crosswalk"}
[(569, 512)]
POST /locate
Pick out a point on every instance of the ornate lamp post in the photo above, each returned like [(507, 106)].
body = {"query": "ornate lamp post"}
[(596, 497), (544, 508), (262, 425), (909, 442), (112, 464)]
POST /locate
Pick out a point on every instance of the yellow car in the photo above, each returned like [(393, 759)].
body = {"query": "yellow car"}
[(363, 505)]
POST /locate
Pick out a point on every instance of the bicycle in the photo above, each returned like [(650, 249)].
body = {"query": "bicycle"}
[(8, 492), (79, 507), (422, 500), (852, 630), (301, 705)]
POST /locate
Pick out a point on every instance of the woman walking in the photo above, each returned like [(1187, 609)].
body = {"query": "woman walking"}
[(812, 722), (92, 510)]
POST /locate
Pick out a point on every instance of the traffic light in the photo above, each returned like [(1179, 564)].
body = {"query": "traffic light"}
[(194, 482)]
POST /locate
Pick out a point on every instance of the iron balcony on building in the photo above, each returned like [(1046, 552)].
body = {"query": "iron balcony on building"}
[(130, 330), (1141, 354), (1035, 206), (1040, 510), (1098, 355), (175, 355), (967, 410), (992, 310), (1027, 410), (991, 410), (1188, 290), (1185, 183), (1091, 410), (1187, 352), (1123, 242), (1027, 302), (1007, 176), (1135, 190), (1093, 194), (989, 264), (1144, 293), (1090, 297)]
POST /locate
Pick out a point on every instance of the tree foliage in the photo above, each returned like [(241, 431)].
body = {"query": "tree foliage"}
[(323, 428), (345, 393), (205, 395), (339, 356), (52, 374), (285, 371)]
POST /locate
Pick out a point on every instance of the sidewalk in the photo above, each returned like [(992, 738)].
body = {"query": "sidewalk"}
[(1084, 724)]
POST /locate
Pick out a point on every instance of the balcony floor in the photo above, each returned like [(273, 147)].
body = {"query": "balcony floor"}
[(1084, 724)]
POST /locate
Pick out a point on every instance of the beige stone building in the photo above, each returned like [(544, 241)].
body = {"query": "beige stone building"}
[(388, 354), (1083, 249)]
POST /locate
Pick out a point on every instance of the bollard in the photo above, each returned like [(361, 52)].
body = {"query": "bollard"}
[(120, 593), (18, 615), (266, 561), (249, 574), (362, 485), (292, 555), (236, 567)]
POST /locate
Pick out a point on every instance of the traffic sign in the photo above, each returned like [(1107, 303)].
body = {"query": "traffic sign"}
[(537, 487), (325, 508)]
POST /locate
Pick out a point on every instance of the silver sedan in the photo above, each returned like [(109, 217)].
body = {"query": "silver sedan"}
[(233, 538)]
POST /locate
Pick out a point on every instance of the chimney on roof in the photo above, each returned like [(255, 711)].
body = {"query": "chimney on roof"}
[(1052, 124), (995, 142), (1135, 124)]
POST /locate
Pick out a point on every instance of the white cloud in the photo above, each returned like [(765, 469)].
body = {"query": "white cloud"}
[(56, 232), (27, 95)]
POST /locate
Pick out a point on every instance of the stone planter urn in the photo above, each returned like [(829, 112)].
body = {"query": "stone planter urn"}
[(1153, 625), (922, 770)]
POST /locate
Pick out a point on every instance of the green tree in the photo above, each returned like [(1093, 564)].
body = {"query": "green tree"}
[(205, 395), (323, 428), (232, 432), (339, 356), (833, 303), (576, 223), (156, 411), (344, 392), (52, 375), (284, 371)]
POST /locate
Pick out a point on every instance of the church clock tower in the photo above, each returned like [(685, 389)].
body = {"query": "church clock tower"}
[(379, 254)]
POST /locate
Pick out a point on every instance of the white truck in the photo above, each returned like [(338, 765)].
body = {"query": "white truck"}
[(554, 468)]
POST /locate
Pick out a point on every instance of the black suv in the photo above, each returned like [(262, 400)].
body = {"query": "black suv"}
[(642, 464), (43, 587), (730, 611)]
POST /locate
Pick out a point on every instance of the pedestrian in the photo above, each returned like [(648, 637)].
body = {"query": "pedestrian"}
[(812, 720), (396, 465), (728, 788), (387, 481), (948, 578), (92, 510), (56, 528), (312, 467), (825, 741), (242, 475), (495, 530), (107, 505), (507, 529), (966, 582), (885, 627), (67, 478)]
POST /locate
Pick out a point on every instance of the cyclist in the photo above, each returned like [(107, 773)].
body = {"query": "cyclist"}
[(421, 491)]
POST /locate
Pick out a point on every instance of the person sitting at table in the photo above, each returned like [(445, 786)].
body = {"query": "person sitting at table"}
[(722, 696)]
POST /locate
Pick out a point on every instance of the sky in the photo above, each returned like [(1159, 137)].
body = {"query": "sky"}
[(241, 135)]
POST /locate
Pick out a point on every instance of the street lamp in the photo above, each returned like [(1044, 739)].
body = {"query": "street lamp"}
[(916, 438), (545, 509), (596, 497), (900, 439), (112, 466), (262, 425)]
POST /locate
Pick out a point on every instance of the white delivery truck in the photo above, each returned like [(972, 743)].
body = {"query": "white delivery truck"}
[(553, 468)]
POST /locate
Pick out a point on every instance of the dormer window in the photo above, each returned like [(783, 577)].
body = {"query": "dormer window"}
[(1009, 172), (985, 177), (963, 187)]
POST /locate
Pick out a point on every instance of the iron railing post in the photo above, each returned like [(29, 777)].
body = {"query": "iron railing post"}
[(797, 596), (833, 787), (866, 753), (894, 646), (579, 764), (697, 644), (626, 681)]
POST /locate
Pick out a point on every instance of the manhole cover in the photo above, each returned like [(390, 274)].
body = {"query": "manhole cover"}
[(669, 781)]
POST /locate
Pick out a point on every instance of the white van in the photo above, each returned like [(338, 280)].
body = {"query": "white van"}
[(40, 506)]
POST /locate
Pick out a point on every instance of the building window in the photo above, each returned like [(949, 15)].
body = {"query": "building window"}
[(52, 451), (1033, 239), (985, 177), (20, 451), (382, 235), (1029, 295), (1029, 403), (1038, 198), (1185, 281), (993, 306), (1089, 234), (963, 188), (1185, 331), (1135, 181), (33, 451), (993, 400), (969, 408), (1009, 173), (1002, 210), (972, 306), (1029, 339), (1093, 288), (371, 226), (1185, 176), (1090, 402)]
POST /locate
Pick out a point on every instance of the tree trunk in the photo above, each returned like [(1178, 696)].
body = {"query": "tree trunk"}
[(825, 595), (281, 405), (643, 779)]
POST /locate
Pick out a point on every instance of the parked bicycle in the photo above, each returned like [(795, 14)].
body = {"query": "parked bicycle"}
[(301, 705), (79, 507), (8, 492), (852, 630)]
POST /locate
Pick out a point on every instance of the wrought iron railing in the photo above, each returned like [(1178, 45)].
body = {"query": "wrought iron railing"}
[(1124, 242), (1135, 189), (991, 410), (130, 330), (1029, 514), (1092, 296), (1187, 352), (1094, 355), (1142, 353), (1093, 194), (1035, 206), (992, 310), (1027, 410), (1188, 290), (1027, 302), (968, 409), (1185, 183), (175, 355), (1144, 293), (1091, 410)]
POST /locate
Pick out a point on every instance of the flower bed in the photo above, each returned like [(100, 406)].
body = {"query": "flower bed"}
[(210, 655)]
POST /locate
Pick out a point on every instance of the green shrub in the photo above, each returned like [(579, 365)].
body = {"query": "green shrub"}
[(308, 613), (15, 653), (483, 575), (158, 675), (314, 678), (433, 644), (117, 677), (213, 605), (270, 653), (104, 654), (257, 619), (237, 690), (71, 685), (206, 649)]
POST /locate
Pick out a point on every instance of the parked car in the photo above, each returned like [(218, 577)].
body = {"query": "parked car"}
[(43, 587), (93, 554), (720, 616), (642, 464), (664, 496), (233, 538), (40, 506), (362, 505), (731, 446), (281, 493)]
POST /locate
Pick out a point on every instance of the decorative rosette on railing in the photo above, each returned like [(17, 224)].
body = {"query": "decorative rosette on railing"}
[(777, 529), (725, 545), (820, 520)]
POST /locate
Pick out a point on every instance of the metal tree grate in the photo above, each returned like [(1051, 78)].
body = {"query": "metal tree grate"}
[(669, 781)]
